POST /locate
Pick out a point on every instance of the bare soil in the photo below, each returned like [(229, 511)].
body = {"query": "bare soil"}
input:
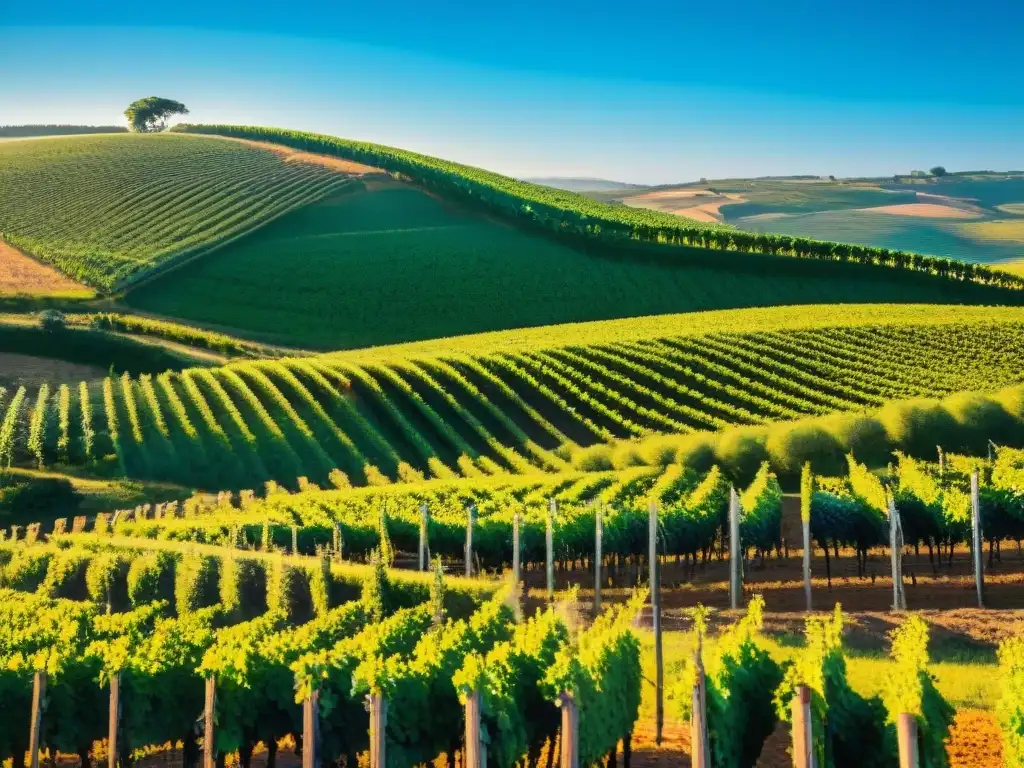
[(21, 274), (925, 210), (18, 370), (297, 156)]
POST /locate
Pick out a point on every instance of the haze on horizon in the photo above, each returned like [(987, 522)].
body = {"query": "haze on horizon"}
[(658, 93)]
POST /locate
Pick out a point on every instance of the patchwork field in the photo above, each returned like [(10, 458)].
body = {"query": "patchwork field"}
[(390, 263), (928, 214), (105, 208), (21, 275)]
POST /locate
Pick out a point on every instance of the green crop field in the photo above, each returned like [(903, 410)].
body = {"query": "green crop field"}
[(105, 209), (507, 402), (394, 264)]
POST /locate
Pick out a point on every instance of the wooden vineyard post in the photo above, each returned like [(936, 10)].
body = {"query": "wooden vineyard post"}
[(549, 547), (598, 534), (475, 756), (906, 734), (570, 731), (735, 570), (803, 736), (378, 707), (311, 730), (516, 555), (976, 539), (424, 560), (700, 756), (114, 720), (337, 542), (209, 710), (899, 597), (36, 729), (806, 495), (470, 515), (295, 540), (659, 673)]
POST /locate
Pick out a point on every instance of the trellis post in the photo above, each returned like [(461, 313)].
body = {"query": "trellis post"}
[(209, 711), (700, 747), (378, 707), (655, 580), (470, 515), (114, 720), (549, 545), (424, 560), (570, 731), (475, 756), (803, 734), (36, 729), (906, 735), (735, 572), (976, 539), (899, 598), (598, 555), (516, 555), (311, 730)]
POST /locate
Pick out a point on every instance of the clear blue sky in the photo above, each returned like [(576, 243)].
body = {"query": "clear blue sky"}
[(644, 91)]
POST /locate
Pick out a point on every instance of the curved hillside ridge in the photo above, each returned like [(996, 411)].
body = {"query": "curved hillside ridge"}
[(571, 213), (503, 410), (109, 209), (753, 320)]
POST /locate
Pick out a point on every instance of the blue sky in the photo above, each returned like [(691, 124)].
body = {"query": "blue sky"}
[(650, 92)]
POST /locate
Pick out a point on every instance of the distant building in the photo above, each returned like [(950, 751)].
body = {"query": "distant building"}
[(919, 174)]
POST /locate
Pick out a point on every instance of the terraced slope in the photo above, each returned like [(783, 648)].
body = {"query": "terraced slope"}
[(486, 405), (105, 209)]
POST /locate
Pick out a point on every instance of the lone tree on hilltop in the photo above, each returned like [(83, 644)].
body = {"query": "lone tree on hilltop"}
[(938, 170), (150, 115)]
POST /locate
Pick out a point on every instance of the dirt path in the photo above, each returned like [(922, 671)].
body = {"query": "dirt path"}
[(290, 155)]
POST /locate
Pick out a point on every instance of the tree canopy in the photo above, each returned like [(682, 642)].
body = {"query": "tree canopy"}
[(150, 115), (938, 170)]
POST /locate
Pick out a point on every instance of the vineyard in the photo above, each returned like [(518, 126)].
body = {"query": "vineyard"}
[(570, 213), (286, 646), (105, 209), (385, 416)]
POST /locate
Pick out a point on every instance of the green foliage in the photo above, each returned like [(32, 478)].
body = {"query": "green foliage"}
[(150, 114), (376, 588), (571, 214), (911, 690), (849, 730), (150, 578), (761, 505), (806, 491), (31, 499), (515, 715), (288, 591), (1010, 707), (601, 672), (185, 194), (195, 582), (793, 446), (53, 320), (740, 679)]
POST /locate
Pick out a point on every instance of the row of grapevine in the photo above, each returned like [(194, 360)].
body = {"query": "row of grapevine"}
[(263, 668), (108, 229), (569, 213), (407, 419)]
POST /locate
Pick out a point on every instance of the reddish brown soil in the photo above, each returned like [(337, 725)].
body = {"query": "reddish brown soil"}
[(21, 274)]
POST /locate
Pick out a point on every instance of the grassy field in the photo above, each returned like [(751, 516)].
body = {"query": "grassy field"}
[(511, 402), (394, 264), (104, 209)]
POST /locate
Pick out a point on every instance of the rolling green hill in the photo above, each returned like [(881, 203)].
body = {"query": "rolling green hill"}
[(512, 401), (105, 209), (386, 262)]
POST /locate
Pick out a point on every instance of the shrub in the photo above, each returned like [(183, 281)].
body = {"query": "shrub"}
[(288, 592), (195, 583), (1012, 401), (38, 498), (1010, 708), (105, 579), (741, 452), (863, 436), (792, 445), (918, 426), (52, 320), (243, 587), (151, 578), (27, 569), (981, 419)]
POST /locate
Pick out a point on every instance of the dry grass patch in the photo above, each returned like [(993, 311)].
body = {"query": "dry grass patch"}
[(22, 275), (925, 210), (999, 230), (290, 155)]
